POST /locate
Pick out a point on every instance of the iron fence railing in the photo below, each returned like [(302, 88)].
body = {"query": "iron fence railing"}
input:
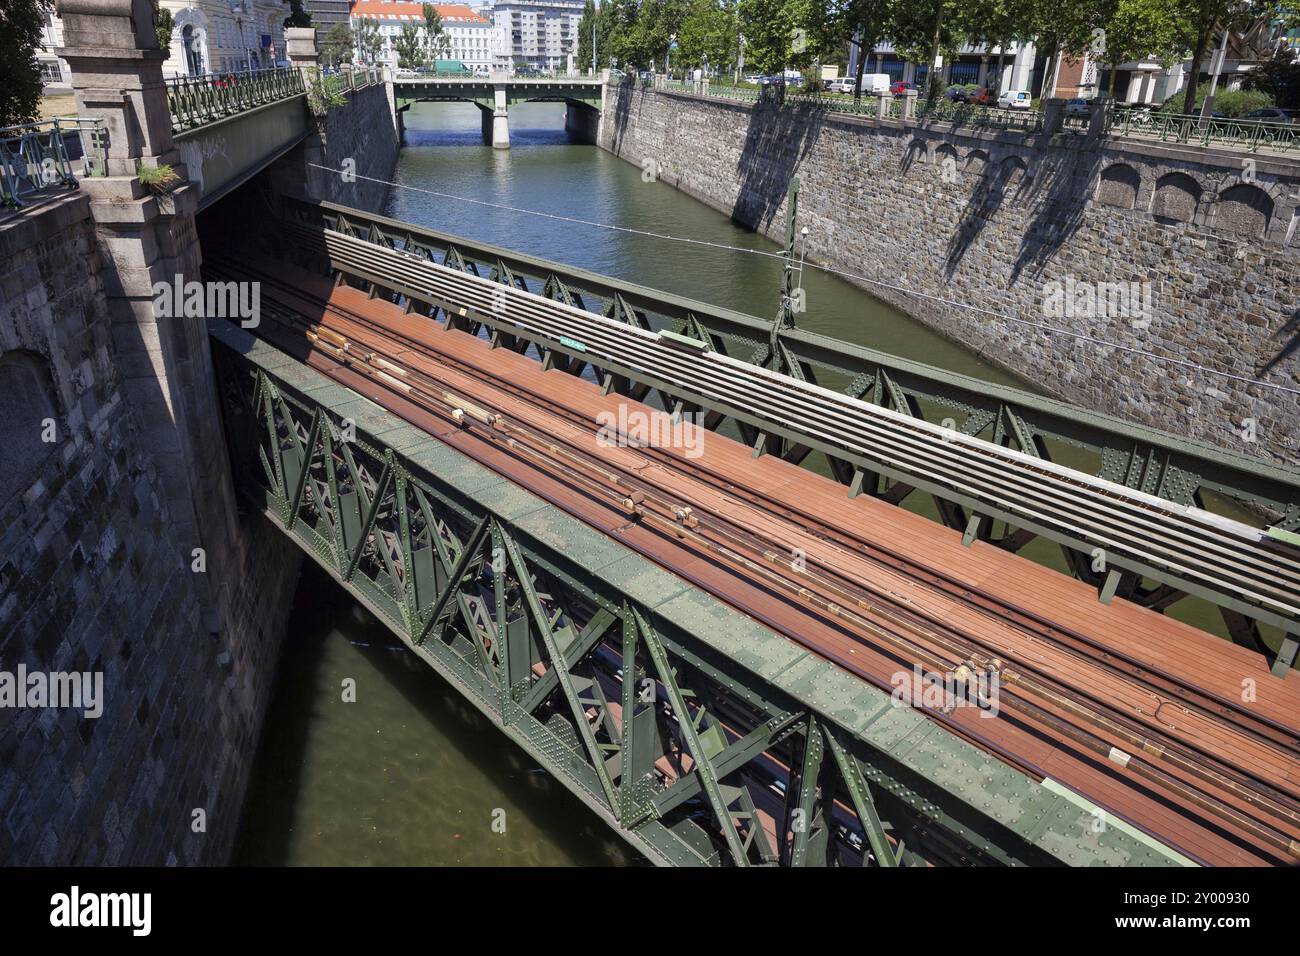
[(1251, 135), (196, 101), (1248, 134), (36, 158), (944, 110), (353, 79)]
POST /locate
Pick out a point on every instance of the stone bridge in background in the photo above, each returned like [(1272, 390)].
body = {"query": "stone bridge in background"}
[(493, 95)]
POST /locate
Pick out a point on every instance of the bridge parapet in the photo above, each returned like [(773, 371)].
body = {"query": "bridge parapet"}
[(541, 621)]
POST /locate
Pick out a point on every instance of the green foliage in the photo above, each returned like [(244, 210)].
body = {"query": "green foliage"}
[(336, 48), (710, 32), (298, 16), (20, 77), (641, 31), (604, 23), (768, 27), (435, 34), (163, 25), (1279, 78), (366, 39), (320, 100), (158, 178), (1231, 103), (410, 47)]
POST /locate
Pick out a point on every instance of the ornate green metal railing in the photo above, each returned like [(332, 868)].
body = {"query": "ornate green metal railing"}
[(37, 158), (195, 101), (674, 718), (1251, 135), (944, 110), (353, 79)]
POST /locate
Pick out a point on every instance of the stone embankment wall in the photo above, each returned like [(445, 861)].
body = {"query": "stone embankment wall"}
[(97, 576), (363, 132), (1000, 221)]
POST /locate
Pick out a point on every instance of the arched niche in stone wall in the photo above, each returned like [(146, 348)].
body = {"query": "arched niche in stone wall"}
[(1244, 210), (1177, 198), (1119, 186), (977, 161), (27, 408), (946, 161), (918, 151), (1010, 171)]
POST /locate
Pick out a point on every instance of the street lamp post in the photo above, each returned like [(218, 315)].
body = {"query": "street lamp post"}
[(238, 10)]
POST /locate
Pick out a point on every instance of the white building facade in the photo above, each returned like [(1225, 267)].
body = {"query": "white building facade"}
[(208, 36), (469, 35), (539, 34)]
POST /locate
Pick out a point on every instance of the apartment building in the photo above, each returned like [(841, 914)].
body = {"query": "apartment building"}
[(541, 34), (469, 36)]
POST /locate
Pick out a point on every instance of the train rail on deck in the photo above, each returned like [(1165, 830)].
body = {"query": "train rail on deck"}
[(1198, 775), (1229, 563)]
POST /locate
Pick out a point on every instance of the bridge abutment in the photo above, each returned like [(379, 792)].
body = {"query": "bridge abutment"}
[(125, 559), (582, 122)]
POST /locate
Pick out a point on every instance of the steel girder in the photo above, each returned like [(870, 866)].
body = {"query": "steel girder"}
[(1174, 468), (679, 722)]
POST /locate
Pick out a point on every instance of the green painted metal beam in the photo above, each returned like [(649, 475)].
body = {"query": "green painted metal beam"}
[(377, 536)]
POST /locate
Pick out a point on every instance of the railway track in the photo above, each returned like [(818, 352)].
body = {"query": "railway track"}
[(1258, 806), (1228, 559)]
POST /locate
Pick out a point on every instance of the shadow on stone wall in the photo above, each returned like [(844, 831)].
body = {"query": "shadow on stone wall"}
[(620, 115), (1288, 337), (1057, 193), (776, 142)]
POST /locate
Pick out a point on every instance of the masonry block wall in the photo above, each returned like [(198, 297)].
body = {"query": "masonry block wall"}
[(362, 131), (96, 576), (992, 219)]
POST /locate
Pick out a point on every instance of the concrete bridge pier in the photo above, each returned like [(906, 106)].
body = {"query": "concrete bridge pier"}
[(500, 119)]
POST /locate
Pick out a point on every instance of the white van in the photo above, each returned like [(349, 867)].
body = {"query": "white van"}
[(874, 83), (1016, 100)]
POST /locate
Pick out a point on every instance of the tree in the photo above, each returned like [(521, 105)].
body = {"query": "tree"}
[(298, 17), (1202, 22), (163, 24), (924, 31), (862, 24), (1279, 78), (710, 33), (336, 48), (367, 39), (1137, 29), (602, 23), (20, 76), (435, 34), (409, 47), (769, 30)]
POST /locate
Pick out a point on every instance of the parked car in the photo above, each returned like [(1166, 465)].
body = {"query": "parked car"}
[(843, 84), (1077, 107), (898, 87), (1274, 114), (981, 97), (755, 78), (958, 94), (1016, 100)]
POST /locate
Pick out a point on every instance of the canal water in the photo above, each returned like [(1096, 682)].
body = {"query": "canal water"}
[(409, 773)]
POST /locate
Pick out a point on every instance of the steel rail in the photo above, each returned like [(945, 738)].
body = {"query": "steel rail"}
[(1211, 706), (1157, 539), (1144, 744), (463, 291)]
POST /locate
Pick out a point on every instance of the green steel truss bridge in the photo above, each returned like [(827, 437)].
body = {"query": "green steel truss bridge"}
[(543, 622)]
